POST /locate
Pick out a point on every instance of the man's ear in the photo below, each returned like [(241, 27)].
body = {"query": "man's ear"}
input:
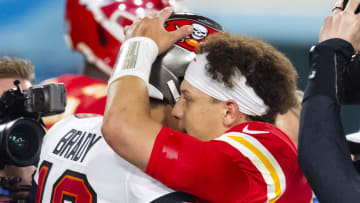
[(232, 114)]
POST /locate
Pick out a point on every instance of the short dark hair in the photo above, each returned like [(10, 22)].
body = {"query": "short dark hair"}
[(16, 68), (267, 71)]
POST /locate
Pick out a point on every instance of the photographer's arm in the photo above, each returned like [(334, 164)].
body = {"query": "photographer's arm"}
[(323, 152)]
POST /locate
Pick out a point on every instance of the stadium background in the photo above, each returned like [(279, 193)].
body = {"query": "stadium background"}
[(34, 30)]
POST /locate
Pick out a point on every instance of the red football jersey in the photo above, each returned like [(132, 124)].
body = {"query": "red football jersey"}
[(83, 95), (252, 162)]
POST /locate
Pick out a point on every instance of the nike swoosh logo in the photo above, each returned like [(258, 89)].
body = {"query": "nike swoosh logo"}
[(252, 132)]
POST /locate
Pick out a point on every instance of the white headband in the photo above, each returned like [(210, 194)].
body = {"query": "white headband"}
[(248, 101)]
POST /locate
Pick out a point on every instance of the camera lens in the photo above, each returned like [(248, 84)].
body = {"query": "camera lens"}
[(19, 142), (22, 140)]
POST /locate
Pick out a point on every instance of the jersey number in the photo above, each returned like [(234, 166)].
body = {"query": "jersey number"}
[(71, 186)]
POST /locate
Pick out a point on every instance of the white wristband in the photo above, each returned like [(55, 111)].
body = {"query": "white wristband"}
[(135, 58)]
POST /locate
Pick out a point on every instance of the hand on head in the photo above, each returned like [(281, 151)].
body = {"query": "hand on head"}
[(152, 26), (343, 24)]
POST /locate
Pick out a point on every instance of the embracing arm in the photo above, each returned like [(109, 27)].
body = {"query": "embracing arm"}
[(128, 127)]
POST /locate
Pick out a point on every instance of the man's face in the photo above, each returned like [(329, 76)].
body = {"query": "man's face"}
[(8, 83), (198, 115), (5, 85)]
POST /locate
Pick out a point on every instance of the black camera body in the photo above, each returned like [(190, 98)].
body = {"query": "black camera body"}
[(21, 127)]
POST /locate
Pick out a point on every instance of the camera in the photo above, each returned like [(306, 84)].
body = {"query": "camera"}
[(21, 126)]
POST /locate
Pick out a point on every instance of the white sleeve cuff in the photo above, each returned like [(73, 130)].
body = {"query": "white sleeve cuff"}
[(135, 58)]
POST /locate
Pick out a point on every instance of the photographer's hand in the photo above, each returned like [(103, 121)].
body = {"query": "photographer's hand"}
[(343, 24), (25, 173)]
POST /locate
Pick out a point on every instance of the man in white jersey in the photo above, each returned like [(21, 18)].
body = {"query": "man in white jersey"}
[(76, 164)]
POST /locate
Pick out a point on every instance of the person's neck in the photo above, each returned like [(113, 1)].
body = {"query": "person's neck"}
[(241, 119)]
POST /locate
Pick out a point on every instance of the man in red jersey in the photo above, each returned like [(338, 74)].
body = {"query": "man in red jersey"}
[(230, 95)]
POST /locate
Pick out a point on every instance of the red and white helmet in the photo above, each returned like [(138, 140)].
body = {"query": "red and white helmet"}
[(168, 70), (95, 27)]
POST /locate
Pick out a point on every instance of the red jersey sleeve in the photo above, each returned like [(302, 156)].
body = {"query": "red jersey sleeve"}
[(252, 162), (204, 169)]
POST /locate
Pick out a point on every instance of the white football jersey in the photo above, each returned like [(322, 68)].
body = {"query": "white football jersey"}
[(77, 165)]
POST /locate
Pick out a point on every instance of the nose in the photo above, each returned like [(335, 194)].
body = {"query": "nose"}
[(178, 109)]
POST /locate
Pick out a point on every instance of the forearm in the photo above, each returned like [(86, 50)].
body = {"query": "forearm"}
[(127, 101), (127, 126), (323, 153)]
